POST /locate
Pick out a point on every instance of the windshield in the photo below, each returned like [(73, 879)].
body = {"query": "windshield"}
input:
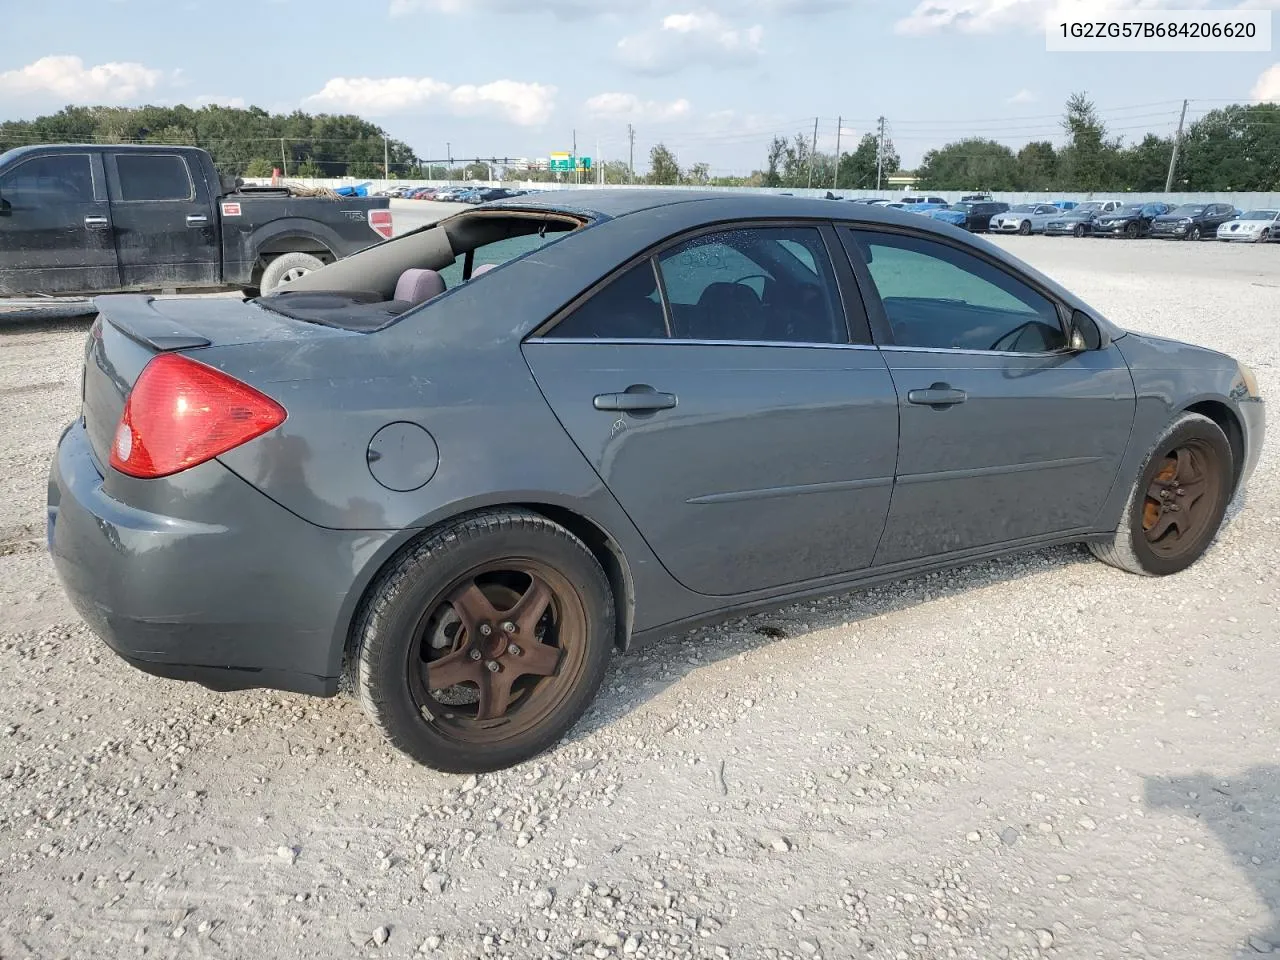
[(1093, 206), (1259, 215), (1129, 210), (1023, 208), (1190, 210), (962, 207)]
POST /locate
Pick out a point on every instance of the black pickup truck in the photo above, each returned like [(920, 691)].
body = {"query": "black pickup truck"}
[(89, 219)]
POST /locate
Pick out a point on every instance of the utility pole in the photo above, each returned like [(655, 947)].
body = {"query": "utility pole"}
[(576, 176), (813, 151), (835, 180), (880, 156), (386, 159), (1177, 142), (284, 160), (631, 161), (448, 163)]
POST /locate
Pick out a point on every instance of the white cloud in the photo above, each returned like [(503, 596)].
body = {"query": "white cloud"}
[(1022, 96), (683, 39), (561, 9), (627, 106), (526, 104), (68, 79), (992, 16), (1268, 84)]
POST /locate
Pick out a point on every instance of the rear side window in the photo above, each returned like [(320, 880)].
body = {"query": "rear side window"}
[(499, 252), (628, 308), (153, 176), (770, 284), (58, 178)]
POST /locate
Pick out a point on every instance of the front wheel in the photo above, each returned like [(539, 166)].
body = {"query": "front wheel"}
[(1024, 227), (1264, 236), (483, 644), (1176, 506), (1078, 230), (1131, 231), (1193, 233)]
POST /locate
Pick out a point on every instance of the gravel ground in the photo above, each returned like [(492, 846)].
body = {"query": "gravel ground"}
[(1037, 757)]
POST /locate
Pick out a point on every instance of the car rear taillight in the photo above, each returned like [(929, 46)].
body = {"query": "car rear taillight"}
[(181, 413), (381, 222)]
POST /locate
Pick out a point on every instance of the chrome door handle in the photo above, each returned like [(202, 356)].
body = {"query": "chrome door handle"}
[(642, 401), (197, 220), (96, 221)]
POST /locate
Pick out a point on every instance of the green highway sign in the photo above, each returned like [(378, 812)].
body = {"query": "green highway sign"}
[(564, 163)]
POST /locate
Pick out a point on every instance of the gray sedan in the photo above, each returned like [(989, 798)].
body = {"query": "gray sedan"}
[(465, 465), (1024, 218)]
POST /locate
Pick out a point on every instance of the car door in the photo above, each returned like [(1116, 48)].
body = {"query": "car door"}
[(717, 391), (55, 226), (166, 234), (1218, 214), (1006, 436)]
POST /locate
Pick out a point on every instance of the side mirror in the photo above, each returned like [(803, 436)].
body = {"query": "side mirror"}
[(1076, 342)]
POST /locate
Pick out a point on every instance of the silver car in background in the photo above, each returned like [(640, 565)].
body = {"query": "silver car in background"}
[(1024, 218), (1252, 226)]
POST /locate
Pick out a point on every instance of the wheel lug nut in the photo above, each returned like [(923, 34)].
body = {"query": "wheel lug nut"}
[(508, 627), (513, 650), (485, 630), (493, 666), (475, 654)]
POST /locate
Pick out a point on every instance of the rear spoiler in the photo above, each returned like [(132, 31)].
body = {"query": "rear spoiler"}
[(134, 316)]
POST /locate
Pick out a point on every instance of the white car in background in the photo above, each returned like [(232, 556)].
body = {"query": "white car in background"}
[(1252, 226), (1024, 218)]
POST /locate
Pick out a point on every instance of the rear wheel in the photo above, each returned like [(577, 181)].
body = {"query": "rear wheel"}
[(286, 267), (483, 644), (1177, 504)]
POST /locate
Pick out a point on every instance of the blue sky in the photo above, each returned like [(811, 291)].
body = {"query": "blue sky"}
[(714, 79)]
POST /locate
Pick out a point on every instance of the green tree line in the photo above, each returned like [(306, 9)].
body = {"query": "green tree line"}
[(243, 142)]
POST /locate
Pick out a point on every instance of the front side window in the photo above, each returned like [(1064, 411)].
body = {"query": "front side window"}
[(941, 297), (153, 176), (772, 284), (58, 178)]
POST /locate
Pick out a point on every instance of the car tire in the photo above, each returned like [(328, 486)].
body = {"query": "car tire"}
[(1191, 454), (1264, 236), (404, 625), (1078, 230), (1131, 231), (1193, 233), (286, 267), (1024, 228)]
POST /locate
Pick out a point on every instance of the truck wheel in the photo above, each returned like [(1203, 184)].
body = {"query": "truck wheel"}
[(286, 267)]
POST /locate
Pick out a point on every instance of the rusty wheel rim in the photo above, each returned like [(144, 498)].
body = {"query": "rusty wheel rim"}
[(497, 651), (1180, 499)]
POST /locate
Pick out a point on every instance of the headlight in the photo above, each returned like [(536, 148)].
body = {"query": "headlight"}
[(1246, 384), (1185, 220)]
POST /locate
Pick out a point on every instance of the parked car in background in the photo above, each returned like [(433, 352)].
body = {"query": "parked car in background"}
[(1079, 221), (1254, 226), (933, 201), (248, 494), (869, 200), (974, 217), (975, 197), (99, 218), (1131, 221), (1024, 218), (1066, 204), (1192, 221)]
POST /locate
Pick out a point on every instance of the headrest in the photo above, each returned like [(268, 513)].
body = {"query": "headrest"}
[(419, 286)]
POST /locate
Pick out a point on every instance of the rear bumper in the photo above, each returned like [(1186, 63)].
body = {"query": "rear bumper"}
[(260, 598)]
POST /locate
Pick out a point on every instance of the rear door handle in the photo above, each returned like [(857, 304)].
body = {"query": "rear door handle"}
[(96, 221), (197, 221), (635, 399), (938, 396)]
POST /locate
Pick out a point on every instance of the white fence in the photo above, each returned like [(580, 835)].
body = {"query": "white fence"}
[(1245, 201)]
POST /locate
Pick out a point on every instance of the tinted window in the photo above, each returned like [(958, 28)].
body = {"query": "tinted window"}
[(938, 296), (773, 284), (153, 176), (59, 178), (629, 308)]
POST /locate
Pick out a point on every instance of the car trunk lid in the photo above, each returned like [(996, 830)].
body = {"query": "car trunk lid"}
[(131, 329)]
